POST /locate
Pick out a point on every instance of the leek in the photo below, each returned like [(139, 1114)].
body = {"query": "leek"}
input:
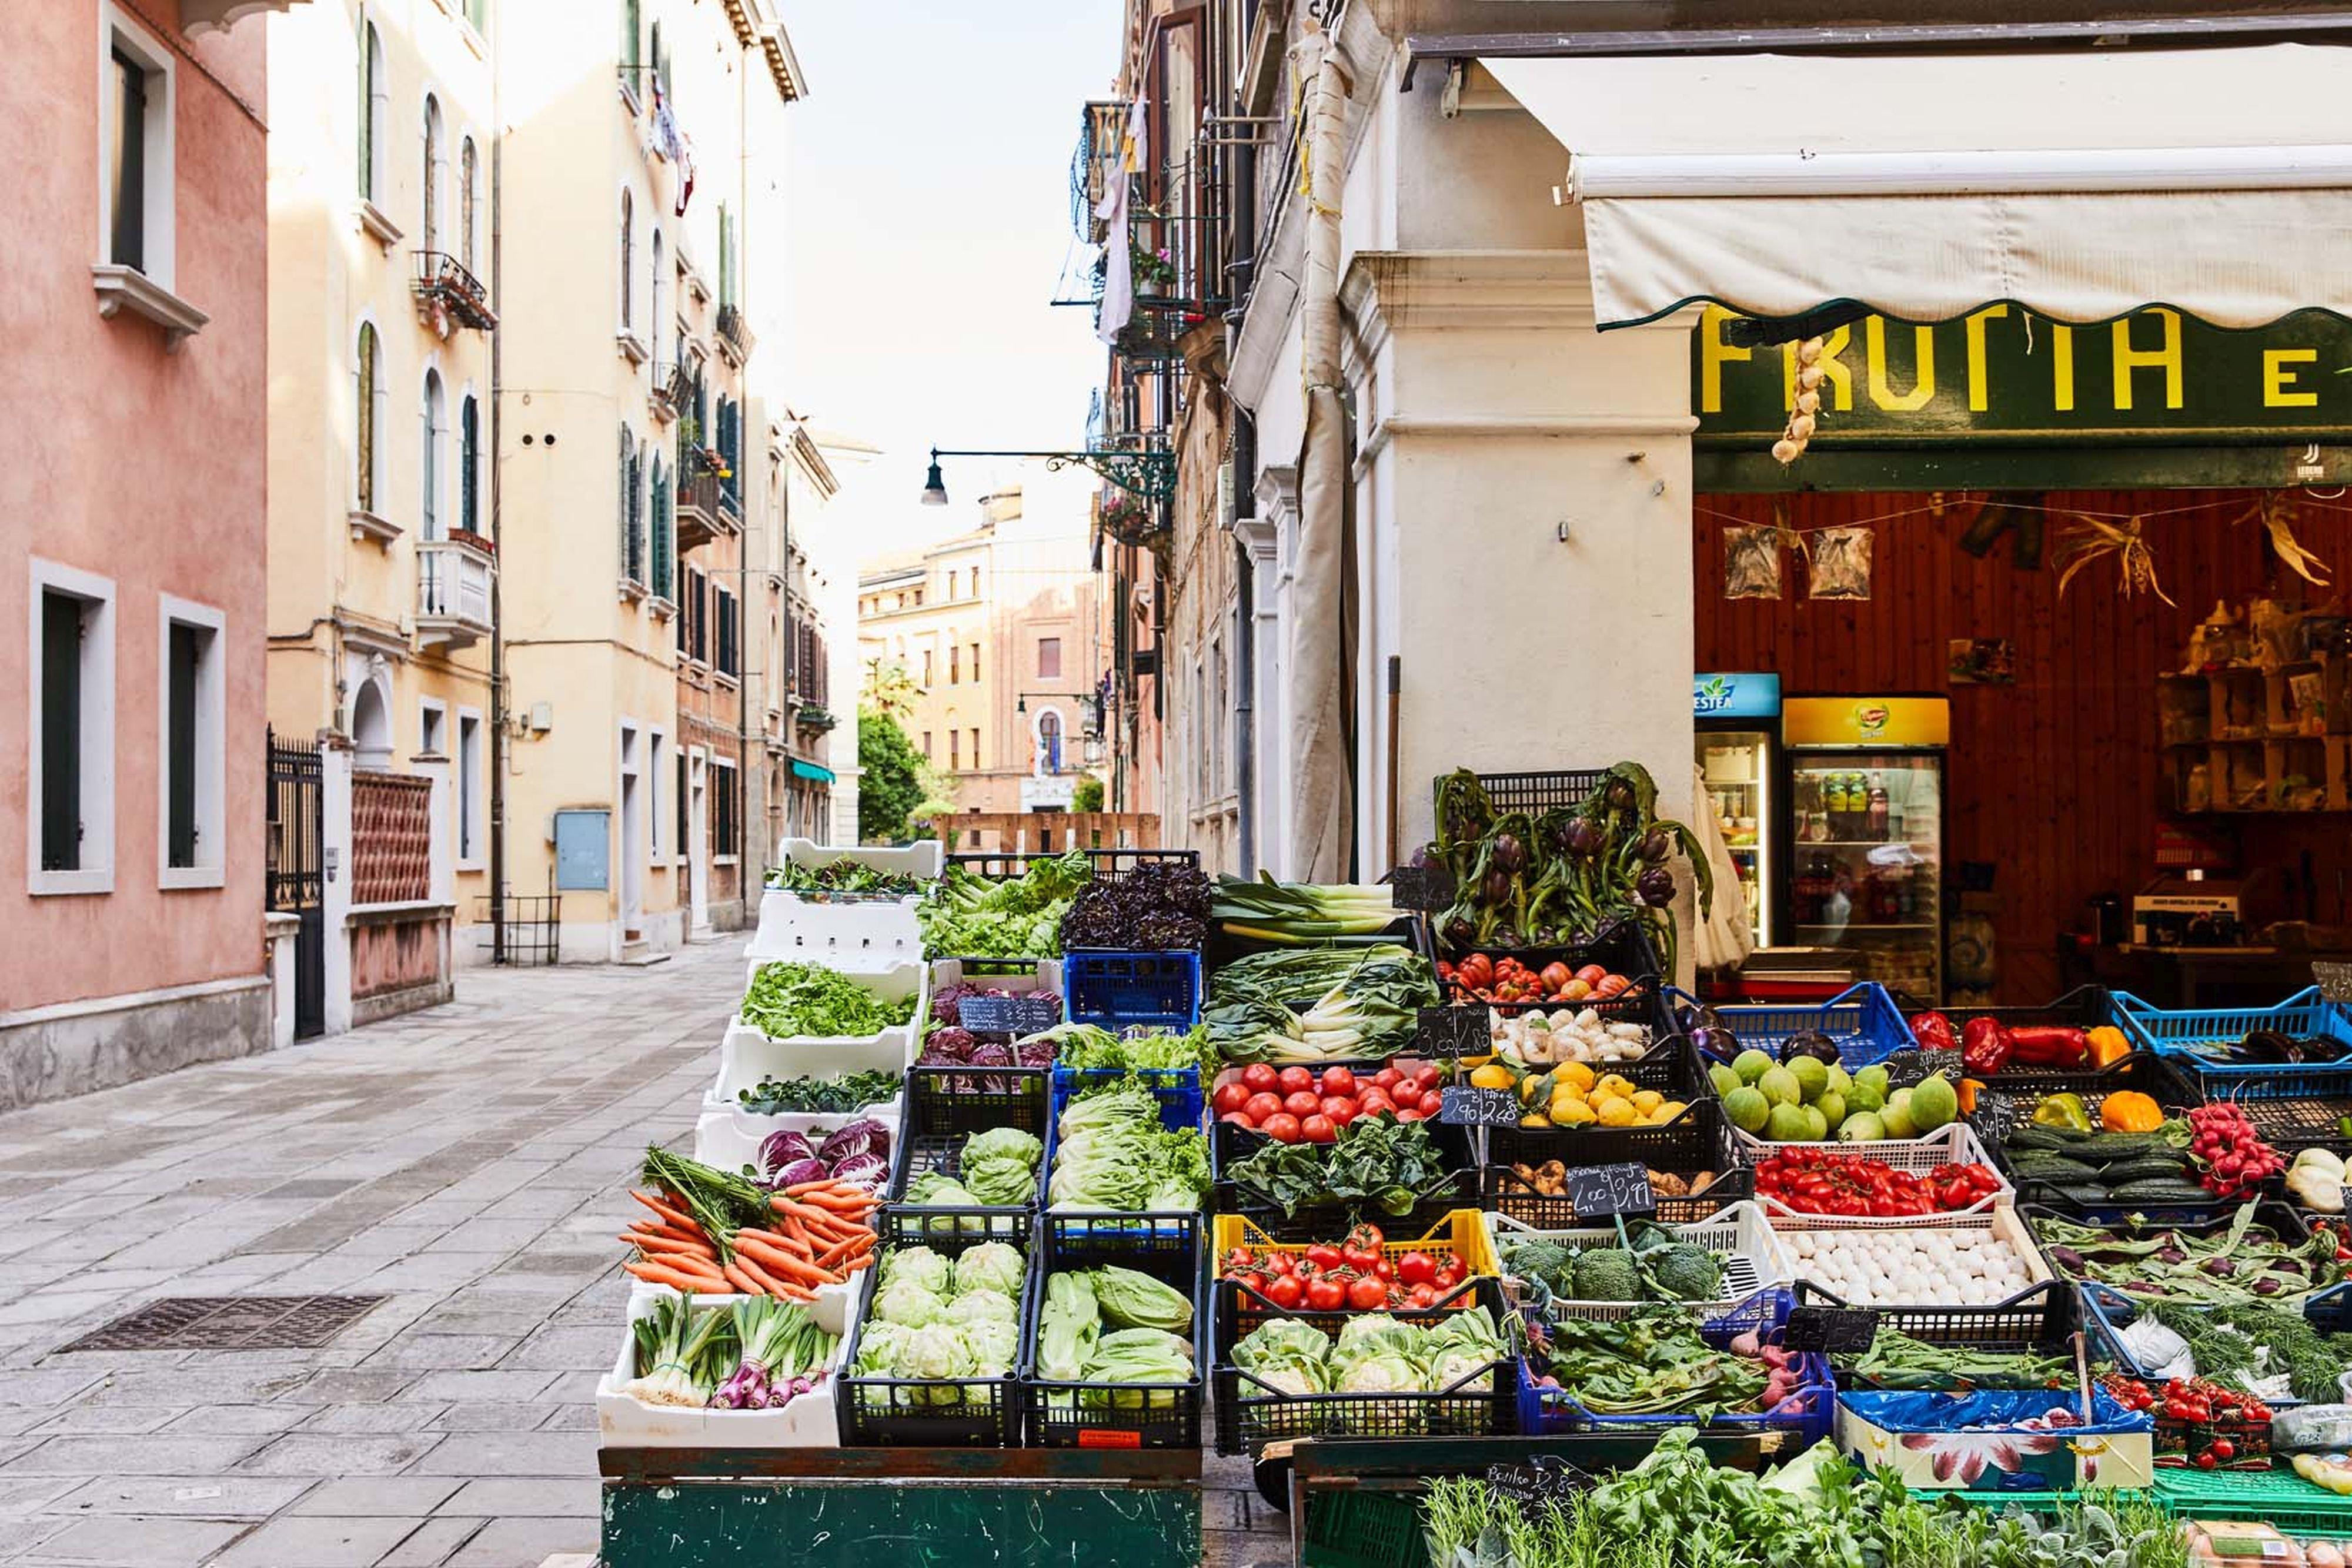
[(1293, 912)]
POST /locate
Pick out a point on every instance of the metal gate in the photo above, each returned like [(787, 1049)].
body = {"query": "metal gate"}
[(298, 881)]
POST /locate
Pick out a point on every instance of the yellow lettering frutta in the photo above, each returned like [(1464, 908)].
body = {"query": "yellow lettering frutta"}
[(1923, 389), (2165, 357), (1714, 352), (1837, 385), (2279, 378), (1978, 397)]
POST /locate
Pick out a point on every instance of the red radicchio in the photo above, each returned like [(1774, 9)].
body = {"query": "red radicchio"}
[(785, 1148), (866, 1136), (800, 1171), (947, 1047), (866, 1170)]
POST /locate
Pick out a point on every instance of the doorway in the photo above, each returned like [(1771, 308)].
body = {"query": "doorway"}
[(698, 847), (632, 837)]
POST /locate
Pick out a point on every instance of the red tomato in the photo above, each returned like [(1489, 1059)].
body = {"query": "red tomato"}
[(1258, 1107), (1238, 1118), (1417, 1269), (1448, 1277), (1406, 1097), (1426, 1076), (1318, 1129), (1282, 1127), (1232, 1096), (1612, 986), (1260, 1077), (1555, 975), (1593, 974), (1422, 1295), (1286, 1290), (1339, 1107), (1303, 1103), (1368, 1293), (1386, 1077), (1361, 1258), (1325, 1295), (1295, 1079), (1406, 1114), (1372, 1101), (1324, 1257), (1339, 1081)]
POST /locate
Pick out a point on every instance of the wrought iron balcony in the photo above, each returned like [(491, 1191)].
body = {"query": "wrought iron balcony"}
[(705, 510), (453, 590), (734, 334), (814, 718), (673, 393), (449, 293)]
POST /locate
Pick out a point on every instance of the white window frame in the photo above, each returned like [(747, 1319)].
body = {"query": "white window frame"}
[(432, 205), (472, 790), (375, 74), (119, 29), (654, 798), (212, 730), (433, 464), (714, 765), (431, 712), (96, 733)]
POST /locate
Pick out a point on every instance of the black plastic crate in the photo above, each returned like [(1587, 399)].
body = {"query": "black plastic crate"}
[(916, 1413), (2034, 1316), (1536, 792), (1110, 865), (1237, 1310), (1252, 1413), (923, 1148), (1457, 1188), (943, 1100), (1138, 1239), (1503, 1191), (1623, 946), (1057, 1415), (2142, 1070), (1689, 1142)]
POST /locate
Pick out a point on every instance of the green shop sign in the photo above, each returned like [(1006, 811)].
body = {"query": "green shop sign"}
[(2005, 400)]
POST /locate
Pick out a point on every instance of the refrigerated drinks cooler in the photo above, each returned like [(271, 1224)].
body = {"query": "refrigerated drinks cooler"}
[(1739, 720), (1865, 834)]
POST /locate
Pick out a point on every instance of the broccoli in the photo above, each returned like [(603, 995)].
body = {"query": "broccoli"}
[(1606, 1274), (1685, 1273), (1547, 1262)]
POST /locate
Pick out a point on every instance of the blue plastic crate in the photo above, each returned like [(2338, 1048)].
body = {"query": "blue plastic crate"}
[(1549, 1412), (1097, 1236), (2187, 1035), (1863, 1020), (1069, 1081), (1113, 990)]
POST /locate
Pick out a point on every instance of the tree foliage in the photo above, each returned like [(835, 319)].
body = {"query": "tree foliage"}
[(892, 783), (1087, 795)]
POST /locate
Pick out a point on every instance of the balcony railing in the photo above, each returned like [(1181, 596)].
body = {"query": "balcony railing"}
[(453, 590), (448, 292), (704, 509), (734, 333)]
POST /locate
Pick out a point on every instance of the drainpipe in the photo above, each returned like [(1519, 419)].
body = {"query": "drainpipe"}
[(499, 742), (1246, 642), (1322, 810)]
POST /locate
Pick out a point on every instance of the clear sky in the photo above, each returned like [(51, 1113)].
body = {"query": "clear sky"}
[(929, 172)]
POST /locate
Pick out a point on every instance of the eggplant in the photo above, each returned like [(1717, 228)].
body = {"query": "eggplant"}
[(1811, 1042), (785, 1148), (1715, 1040)]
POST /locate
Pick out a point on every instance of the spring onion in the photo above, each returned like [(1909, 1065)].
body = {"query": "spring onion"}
[(1300, 912)]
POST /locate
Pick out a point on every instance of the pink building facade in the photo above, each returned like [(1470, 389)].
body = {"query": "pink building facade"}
[(133, 533)]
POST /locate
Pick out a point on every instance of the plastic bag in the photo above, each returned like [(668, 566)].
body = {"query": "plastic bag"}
[(1839, 562), (2312, 1429), (1751, 562)]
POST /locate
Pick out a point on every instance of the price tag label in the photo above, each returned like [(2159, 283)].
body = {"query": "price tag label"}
[(1466, 1030), (1421, 888), (1009, 1015), (1996, 1116), (1465, 1106), (1832, 1330), (1545, 1478), (2335, 981), (1600, 1191), (1908, 1067)]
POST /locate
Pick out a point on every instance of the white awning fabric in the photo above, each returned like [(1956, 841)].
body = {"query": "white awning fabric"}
[(2082, 185)]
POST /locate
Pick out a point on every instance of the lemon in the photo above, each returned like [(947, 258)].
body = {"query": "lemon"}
[(1535, 1119), (1580, 1114), (1493, 1075), (1614, 1112), (1577, 1073), (1666, 1112), (1612, 1084), (1648, 1099)]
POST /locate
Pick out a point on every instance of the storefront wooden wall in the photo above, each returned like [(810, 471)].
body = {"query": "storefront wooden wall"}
[(2055, 779)]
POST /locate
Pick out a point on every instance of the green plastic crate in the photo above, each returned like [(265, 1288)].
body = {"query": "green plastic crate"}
[(2278, 1498), (1349, 1528)]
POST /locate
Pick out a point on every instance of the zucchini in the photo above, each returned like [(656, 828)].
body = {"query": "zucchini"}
[(2055, 1169), (2152, 1167), (2165, 1189), (2110, 1148), (2027, 1135)]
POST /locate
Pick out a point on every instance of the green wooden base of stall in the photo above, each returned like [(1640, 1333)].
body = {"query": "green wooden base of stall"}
[(885, 1508)]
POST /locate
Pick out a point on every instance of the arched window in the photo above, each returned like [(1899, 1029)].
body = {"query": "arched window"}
[(373, 102), (469, 208), (1049, 741), (432, 173), (628, 260), (430, 476), (654, 328), (469, 465), (367, 371)]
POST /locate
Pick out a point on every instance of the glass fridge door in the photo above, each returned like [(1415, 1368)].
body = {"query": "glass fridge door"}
[(1867, 843), (1736, 765)]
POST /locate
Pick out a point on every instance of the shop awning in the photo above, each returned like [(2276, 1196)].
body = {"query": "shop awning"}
[(2080, 184), (810, 770)]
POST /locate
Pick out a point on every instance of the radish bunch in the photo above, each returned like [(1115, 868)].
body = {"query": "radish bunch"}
[(2232, 1156)]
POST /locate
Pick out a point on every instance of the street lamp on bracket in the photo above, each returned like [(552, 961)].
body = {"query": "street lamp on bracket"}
[(1149, 475)]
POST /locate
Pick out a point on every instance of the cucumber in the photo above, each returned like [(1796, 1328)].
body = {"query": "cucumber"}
[(2168, 1189), (2108, 1148), (2055, 1169), (2152, 1167), (2029, 1137)]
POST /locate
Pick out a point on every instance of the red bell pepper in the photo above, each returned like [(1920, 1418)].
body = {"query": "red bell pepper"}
[(2046, 1045), (1933, 1031), (1985, 1047)]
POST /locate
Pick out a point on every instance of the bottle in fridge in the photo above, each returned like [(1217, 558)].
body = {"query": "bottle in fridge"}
[(1881, 761), (1737, 717)]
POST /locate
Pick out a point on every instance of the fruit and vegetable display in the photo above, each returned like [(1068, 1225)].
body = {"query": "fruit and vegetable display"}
[(2248, 1259), (1297, 1104), (842, 879), (1089, 1048), (1811, 1180), (2200, 1424), (1656, 1363), (1353, 1274), (1804, 1099), (1328, 1003), (2233, 1161), (1297, 914), (1896, 1360), (1112, 1152), (1158, 907), (996, 1168), (794, 1001), (1563, 877), (1573, 1095), (1485, 978), (842, 1092), (856, 1154), (969, 916), (934, 1319), (2058, 1157), (1379, 1162), (1583, 1035), (754, 1353), (1988, 1047), (716, 1233), (1113, 1325), (1375, 1353), (1960, 1266), (1645, 1262), (1549, 1180)]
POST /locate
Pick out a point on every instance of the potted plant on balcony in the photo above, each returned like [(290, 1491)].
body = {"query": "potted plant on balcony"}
[(1129, 518), (816, 717), (473, 540), (1155, 272)]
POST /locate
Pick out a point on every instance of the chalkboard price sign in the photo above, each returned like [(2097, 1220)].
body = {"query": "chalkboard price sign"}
[(1456, 1031), (1421, 888), (2335, 980), (1599, 1191), (1009, 1015), (1545, 1478), (1996, 1116), (1834, 1331), (1465, 1106), (1908, 1067)]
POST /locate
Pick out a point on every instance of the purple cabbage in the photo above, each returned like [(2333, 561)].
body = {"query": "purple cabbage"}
[(811, 1169), (947, 1047), (785, 1148), (1034, 1053), (865, 1136), (991, 1053), (866, 1170)]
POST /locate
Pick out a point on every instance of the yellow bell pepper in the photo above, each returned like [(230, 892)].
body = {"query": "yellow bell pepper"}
[(2108, 1045), (2063, 1111)]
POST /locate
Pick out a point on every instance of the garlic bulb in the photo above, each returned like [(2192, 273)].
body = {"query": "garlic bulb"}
[(1807, 402)]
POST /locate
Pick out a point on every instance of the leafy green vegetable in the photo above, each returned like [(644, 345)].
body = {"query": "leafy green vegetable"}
[(1083, 1045), (1374, 1159), (842, 877), (796, 1002), (1112, 1152), (1000, 1165), (844, 1092), (1133, 1299), (971, 916), (1318, 1004)]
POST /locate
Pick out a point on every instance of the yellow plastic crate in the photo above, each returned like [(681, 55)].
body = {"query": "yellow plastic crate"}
[(1463, 1231)]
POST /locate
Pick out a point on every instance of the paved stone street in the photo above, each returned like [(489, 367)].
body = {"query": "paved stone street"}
[(468, 1164)]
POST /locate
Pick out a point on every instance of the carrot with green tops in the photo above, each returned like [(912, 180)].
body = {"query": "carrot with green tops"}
[(676, 1278), (676, 1217)]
